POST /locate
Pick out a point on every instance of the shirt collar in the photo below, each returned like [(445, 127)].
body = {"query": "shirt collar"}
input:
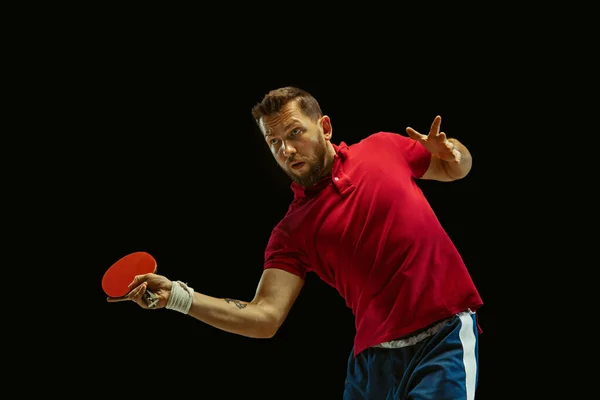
[(340, 154)]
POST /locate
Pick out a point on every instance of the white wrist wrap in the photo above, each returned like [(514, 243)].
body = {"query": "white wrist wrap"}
[(180, 298)]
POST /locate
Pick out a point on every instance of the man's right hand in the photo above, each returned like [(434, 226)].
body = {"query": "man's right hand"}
[(158, 284)]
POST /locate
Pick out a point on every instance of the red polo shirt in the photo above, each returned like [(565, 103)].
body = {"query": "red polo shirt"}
[(369, 232)]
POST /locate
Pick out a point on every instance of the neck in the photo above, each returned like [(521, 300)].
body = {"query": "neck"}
[(329, 156)]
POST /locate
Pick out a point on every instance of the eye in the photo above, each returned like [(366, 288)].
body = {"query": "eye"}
[(295, 131), (273, 141)]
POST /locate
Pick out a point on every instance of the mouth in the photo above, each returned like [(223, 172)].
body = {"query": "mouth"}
[(297, 164)]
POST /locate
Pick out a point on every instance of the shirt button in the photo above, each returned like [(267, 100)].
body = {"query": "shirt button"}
[(336, 179)]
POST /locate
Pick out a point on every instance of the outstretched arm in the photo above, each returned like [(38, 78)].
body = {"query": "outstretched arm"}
[(260, 318), (450, 159)]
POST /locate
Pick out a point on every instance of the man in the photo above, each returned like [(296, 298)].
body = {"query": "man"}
[(360, 222)]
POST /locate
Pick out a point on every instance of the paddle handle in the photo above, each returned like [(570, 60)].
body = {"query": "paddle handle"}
[(149, 298)]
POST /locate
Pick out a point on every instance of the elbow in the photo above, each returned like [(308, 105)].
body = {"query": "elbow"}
[(268, 334), (455, 172), (464, 173), (265, 332), (268, 321), (467, 164), (270, 327), (458, 177)]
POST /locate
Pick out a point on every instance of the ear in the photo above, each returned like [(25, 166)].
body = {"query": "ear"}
[(326, 125)]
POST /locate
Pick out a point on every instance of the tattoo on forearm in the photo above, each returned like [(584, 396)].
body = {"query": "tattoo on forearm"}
[(237, 303)]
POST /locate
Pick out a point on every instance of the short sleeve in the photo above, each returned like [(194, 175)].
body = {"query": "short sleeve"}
[(415, 154), (283, 254)]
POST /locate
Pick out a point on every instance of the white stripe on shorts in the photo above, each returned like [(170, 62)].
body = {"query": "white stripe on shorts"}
[(467, 338)]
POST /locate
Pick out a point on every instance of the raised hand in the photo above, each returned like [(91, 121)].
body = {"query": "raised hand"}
[(436, 142)]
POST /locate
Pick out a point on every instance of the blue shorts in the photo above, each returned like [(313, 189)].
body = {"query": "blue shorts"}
[(442, 366)]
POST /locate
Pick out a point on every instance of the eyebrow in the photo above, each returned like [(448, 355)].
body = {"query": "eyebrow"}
[(288, 126), (285, 128)]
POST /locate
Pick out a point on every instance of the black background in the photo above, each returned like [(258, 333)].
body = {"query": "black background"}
[(180, 170)]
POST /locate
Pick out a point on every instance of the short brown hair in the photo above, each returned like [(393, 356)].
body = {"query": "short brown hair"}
[(274, 101)]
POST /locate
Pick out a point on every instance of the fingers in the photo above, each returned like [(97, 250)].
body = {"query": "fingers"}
[(434, 131), (415, 135), (435, 126), (117, 299), (138, 280), (455, 154), (137, 293)]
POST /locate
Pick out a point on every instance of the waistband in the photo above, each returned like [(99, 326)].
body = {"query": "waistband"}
[(417, 337)]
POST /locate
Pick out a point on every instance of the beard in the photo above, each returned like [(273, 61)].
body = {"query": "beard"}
[(316, 167)]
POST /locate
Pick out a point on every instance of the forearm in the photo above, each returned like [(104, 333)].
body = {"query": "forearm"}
[(461, 169), (234, 316)]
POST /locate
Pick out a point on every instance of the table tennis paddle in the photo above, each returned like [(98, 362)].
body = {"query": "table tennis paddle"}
[(121, 273)]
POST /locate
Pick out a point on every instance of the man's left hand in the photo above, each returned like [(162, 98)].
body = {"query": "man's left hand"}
[(436, 142)]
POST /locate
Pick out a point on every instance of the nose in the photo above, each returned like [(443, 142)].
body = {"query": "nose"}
[(288, 149)]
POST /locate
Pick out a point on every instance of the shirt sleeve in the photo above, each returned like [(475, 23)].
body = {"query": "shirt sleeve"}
[(416, 155), (281, 253)]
